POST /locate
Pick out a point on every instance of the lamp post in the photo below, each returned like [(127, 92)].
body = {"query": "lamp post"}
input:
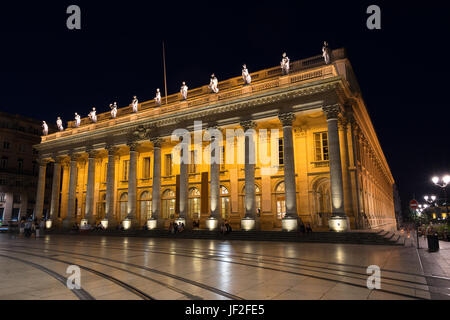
[(442, 183)]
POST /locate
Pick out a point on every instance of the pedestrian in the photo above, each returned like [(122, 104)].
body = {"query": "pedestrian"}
[(227, 227), (302, 228), (308, 228), (37, 228), (22, 226)]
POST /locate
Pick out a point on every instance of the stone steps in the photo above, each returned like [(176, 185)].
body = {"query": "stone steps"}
[(369, 238)]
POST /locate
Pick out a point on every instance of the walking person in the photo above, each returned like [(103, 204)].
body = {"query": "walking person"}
[(28, 229), (36, 228)]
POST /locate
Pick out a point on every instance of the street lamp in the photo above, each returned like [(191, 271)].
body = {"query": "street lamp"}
[(442, 183)]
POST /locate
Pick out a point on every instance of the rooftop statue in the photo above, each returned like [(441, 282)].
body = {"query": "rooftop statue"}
[(285, 64), (158, 97), (92, 115), (77, 120), (245, 75), (326, 52), (113, 110), (59, 124), (44, 128), (184, 90), (213, 84), (134, 104)]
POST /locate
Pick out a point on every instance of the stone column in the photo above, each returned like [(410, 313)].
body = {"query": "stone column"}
[(156, 188), (56, 185), (249, 221), (110, 182), (184, 187), (70, 218), (215, 218), (89, 209), (289, 223), (132, 185), (40, 189), (338, 220)]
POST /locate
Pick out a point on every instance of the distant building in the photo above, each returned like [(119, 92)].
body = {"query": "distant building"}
[(397, 206), (18, 166), (327, 167)]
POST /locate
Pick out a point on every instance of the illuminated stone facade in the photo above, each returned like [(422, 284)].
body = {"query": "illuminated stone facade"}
[(330, 160)]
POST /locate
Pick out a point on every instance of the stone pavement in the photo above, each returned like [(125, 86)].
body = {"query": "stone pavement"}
[(149, 268)]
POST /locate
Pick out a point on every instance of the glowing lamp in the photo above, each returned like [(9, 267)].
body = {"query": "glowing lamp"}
[(126, 224), (446, 179), (211, 223), (248, 224), (289, 224), (435, 180), (48, 224), (151, 223), (104, 223), (433, 198), (426, 198)]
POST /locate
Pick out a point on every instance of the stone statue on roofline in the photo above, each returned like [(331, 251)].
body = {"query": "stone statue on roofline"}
[(326, 52), (113, 110), (44, 128), (214, 84), (245, 75), (92, 115), (59, 124), (134, 104), (285, 64), (158, 97), (77, 120), (184, 91)]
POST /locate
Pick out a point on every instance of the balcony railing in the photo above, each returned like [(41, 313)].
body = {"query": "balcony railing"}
[(300, 71)]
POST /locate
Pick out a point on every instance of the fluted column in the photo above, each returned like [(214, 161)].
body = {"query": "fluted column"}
[(90, 188), (215, 180), (70, 218), (39, 207), (110, 183), (289, 172), (184, 185), (156, 188), (56, 185), (337, 194), (250, 159), (132, 185)]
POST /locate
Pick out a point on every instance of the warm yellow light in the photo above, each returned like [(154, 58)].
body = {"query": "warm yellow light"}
[(104, 223), (126, 224), (434, 215), (435, 180), (444, 216), (48, 224)]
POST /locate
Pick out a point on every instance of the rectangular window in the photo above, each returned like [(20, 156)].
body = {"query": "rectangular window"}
[(2, 197), (4, 163), (1, 213), (168, 164), (280, 152), (146, 168), (192, 165), (16, 198), (15, 214), (126, 164), (105, 172), (6, 145), (20, 165), (222, 158), (321, 146), (3, 182)]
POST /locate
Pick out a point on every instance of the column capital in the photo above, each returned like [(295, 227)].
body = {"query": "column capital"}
[(332, 112), (112, 149), (132, 145), (342, 123), (286, 118), (157, 141), (92, 153), (248, 124), (58, 159), (42, 161), (74, 156)]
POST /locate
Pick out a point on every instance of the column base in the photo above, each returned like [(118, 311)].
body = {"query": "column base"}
[(289, 224), (212, 223), (152, 224), (339, 223), (248, 224), (68, 223), (48, 224)]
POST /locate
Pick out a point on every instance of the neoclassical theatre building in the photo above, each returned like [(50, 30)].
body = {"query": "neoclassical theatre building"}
[(331, 170)]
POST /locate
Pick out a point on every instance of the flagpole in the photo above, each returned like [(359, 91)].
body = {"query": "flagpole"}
[(165, 79)]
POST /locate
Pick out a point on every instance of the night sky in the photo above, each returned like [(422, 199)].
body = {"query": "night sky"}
[(403, 69)]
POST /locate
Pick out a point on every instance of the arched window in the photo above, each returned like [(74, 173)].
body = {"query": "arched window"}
[(194, 203), (168, 204), (224, 202), (123, 205), (145, 206), (280, 200)]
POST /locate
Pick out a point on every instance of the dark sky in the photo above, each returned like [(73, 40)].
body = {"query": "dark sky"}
[(403, 69)]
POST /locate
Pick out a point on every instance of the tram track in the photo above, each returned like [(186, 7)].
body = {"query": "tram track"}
[(116, 281), (339, 278), (184, 280), (81, 294)]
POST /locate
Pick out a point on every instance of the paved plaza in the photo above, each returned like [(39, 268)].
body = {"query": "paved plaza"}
[(159, 269)]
